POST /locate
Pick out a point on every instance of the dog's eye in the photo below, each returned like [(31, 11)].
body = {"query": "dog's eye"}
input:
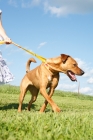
[(75, 65)]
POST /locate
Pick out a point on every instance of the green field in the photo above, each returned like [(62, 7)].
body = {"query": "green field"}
[(75, 122)]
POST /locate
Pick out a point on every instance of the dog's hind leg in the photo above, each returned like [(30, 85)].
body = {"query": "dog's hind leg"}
[(34, 91), (23, 89), (21, 98)]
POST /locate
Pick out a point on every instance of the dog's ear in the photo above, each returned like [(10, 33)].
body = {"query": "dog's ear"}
[(64, 57)]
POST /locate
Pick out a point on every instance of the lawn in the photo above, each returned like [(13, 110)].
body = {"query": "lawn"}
[(75, 122)]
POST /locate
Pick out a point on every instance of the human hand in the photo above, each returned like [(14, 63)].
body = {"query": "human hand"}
[(8, 40)]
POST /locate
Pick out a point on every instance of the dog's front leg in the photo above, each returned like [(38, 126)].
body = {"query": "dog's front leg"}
[(49, 100), (50, 93)]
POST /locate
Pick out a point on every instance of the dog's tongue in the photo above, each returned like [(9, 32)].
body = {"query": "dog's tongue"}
[(72, 76)]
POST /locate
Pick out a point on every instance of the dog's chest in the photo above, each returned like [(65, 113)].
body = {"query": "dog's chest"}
[(49, 78)]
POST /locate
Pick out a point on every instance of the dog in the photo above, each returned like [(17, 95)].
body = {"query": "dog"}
[(44, 76)]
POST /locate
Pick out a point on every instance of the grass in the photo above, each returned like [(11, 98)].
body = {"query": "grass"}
[(75, 122)]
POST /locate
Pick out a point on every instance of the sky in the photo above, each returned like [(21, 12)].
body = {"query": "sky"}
[(50, 28)]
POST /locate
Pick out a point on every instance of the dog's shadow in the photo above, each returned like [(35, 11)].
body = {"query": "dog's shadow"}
[(24, 107), (15, 106)]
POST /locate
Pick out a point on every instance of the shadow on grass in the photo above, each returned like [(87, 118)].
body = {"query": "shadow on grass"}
[(24, 107), (15, 106)]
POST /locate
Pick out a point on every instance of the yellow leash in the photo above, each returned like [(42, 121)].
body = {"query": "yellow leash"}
[(36, 55)]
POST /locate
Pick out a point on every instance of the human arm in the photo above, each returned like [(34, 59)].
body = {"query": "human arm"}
[(3, 33)]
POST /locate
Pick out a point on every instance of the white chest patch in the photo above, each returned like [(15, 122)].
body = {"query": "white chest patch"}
[(49, 78)]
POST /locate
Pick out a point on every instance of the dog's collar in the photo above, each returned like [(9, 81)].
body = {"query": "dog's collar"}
[(48, 67)]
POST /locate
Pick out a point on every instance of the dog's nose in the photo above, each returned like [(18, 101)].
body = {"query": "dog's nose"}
[(82, 72)]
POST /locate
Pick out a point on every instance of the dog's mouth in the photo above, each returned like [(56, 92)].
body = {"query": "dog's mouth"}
[(71, 75)]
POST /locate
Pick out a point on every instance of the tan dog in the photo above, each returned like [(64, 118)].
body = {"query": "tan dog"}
[(47, 75)]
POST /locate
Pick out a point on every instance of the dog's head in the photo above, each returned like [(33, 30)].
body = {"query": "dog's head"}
[(70, 67), (67, 65)]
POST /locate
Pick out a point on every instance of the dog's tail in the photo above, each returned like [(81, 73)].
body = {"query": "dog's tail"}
[(28, 64)]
